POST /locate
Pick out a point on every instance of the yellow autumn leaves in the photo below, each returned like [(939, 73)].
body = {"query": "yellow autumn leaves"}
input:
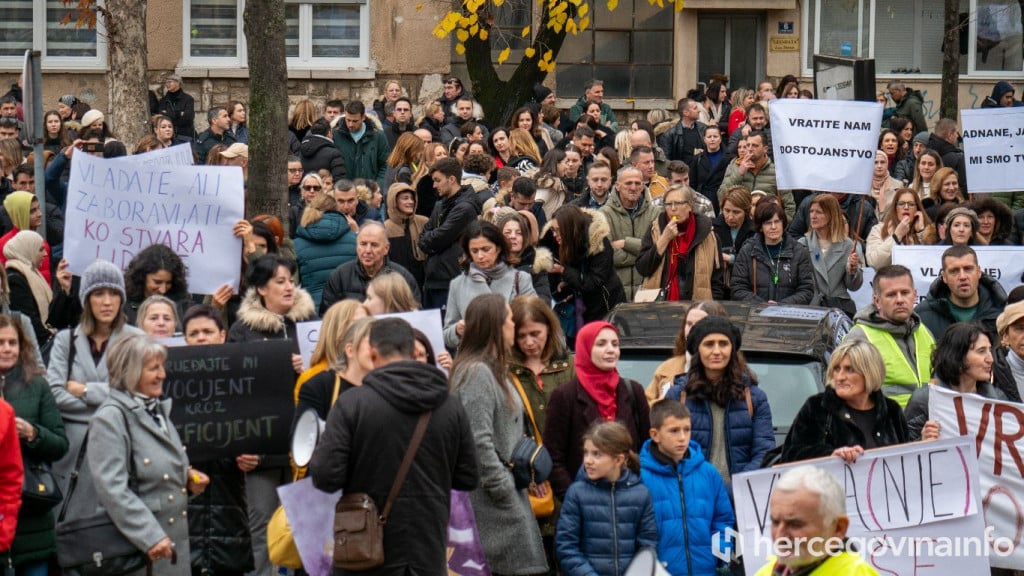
[(466, 24)]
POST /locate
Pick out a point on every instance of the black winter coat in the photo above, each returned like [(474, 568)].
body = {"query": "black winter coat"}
[(708, 180), (935, 309), (364, 441), (181, 109), (753, 272), (594, 279), (824, 424), (440, 237), (1002, 375), (349, 281), (952, 157), (218, 521), (319, 153)]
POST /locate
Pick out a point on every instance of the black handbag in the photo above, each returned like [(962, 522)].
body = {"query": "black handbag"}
[(40, 492), (530, 463), (93, 545)]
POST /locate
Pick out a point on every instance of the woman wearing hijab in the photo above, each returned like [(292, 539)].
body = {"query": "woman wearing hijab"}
[(30, 293), (23, 208), (597, 393)]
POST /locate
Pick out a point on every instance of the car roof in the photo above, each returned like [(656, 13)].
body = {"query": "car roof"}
[(806, 331)]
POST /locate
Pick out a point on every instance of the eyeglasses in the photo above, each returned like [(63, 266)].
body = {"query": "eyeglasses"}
[(312, 188), (676, 204), (295, 170), (906, 204)]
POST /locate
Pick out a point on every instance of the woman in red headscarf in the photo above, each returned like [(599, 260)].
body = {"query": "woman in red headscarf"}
[(597, 393)]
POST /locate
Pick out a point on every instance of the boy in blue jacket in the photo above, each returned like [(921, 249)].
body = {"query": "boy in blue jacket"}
[(690, 499)]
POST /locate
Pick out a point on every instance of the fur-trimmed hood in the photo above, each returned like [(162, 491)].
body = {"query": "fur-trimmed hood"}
[(256, 317), (543, 260), (599, 230)]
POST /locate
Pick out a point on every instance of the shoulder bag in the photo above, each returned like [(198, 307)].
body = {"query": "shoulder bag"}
[(358, 527), (542, 506), (93, 545)]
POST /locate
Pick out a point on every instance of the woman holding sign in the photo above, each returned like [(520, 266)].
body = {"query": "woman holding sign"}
[(904, 224), (852, 414), (835, 257), (962, 362)]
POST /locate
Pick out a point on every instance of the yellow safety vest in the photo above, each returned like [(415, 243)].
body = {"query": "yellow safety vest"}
[(901, 379), (845, 563)]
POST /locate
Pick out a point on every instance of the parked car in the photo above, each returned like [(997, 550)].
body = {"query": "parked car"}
[(788, 347)]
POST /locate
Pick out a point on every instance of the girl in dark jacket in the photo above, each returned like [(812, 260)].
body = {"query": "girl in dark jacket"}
[(586, 263), (41, 432), (607, 515), (731, 418), (596, 394), (852, 414), (772, 267), (707, 169)]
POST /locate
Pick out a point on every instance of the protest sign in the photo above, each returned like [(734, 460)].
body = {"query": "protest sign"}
[(179, 155), (115, 209), (307, 334), (232, 399), (994, 429), (994, 148), (310, 514), (427, 321), (909, 506), (825, 144), (1002, 263)]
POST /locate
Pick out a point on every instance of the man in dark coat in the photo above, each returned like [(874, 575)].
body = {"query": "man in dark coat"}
[(350, 279), (367, 435), (962, 293), (455, 209), (218, 133), (179, 107), (363, 147), (401, 120), (909, 105), (318, 152), (943, 140)]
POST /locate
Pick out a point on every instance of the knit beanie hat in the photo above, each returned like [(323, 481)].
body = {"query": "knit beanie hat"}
[(68, 100), (712, 325), (962, 211), (101, 274), (540, 92), (90, 117), (922, 137)]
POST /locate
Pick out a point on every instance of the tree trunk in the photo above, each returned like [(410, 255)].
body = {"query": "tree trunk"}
[(128, 115), (500, 99), (949, 107), (268, 109)]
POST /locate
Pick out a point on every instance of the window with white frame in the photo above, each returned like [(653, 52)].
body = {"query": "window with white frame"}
[(905, 36), (318, 33), (35, 25)]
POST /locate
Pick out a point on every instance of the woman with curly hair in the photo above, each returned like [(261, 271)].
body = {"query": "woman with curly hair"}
[(156, 270)]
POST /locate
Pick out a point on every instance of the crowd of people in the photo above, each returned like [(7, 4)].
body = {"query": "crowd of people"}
[(525, 236)]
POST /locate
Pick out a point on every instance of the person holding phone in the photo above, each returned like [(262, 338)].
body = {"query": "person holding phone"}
[(904, 223)]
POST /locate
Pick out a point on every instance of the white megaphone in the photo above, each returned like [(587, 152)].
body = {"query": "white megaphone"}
[(307, 433), (645, 563)]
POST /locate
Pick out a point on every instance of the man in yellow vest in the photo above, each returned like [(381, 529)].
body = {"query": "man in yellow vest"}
[(892, 326), (809, 522)]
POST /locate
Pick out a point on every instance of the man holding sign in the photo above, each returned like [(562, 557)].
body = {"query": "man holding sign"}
[(809, 522)]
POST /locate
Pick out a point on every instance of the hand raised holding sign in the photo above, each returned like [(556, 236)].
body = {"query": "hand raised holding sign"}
[(853, 262)]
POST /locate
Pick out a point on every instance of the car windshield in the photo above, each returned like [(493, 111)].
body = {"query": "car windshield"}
[(787, 382)]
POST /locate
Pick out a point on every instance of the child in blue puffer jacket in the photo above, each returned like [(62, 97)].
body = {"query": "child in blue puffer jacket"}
[(690, 499), (607, 515)]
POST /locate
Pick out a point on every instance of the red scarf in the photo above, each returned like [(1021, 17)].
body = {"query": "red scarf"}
[(677, 250), (601, 385)]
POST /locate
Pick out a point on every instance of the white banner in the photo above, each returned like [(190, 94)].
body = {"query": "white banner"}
[(1003, 263), (994, 429), (427, 321), (994, 149), (910, 507), (116, 208), (825, 144), (179, 155)]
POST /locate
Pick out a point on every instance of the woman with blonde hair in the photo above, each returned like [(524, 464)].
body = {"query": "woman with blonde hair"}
[(524, 155), (323, 241), (344, 373), (944, 189), (388, 294), (392, 92), (426, 195), (741, 98), (334, 323), (432, 120), (302, 117), (402, 162), (836, 260)]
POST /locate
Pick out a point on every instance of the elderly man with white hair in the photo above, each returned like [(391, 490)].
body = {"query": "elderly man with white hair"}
[(809, 522)]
